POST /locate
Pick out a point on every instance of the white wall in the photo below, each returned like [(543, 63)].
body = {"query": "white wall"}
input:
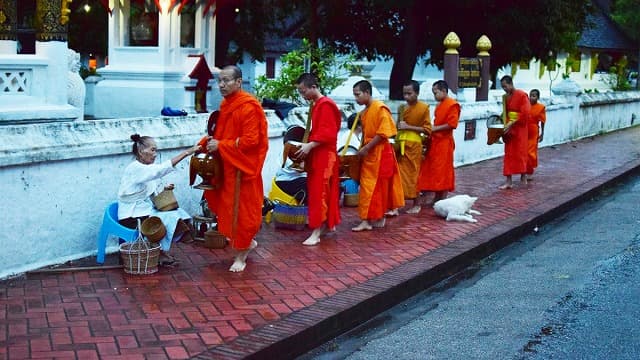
[(59, 177)]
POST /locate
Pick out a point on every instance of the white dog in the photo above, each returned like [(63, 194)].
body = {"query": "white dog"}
[(457, 208)]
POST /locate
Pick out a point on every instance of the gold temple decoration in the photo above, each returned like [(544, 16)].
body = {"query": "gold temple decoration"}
[(8, 20), (64, 12), (47, 21), (483, 45), (451, 43)]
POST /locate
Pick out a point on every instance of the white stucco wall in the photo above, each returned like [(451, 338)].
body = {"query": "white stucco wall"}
[(59, 177)]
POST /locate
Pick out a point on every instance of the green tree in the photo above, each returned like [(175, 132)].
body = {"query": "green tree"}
[(322, 61), (405, 30), (242, 26), (627, 14)]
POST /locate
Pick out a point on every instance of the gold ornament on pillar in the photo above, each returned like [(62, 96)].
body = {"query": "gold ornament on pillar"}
[(483, 45), (64, 12), (451, 43)]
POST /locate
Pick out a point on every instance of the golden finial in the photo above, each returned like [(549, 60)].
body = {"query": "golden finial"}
[(64, 12), (451, 43), (483, 45)]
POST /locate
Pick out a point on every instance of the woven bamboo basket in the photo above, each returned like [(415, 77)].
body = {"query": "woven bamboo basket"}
[(351, 200), (140, 257), (214, 240), (165, 201), (153, 228)]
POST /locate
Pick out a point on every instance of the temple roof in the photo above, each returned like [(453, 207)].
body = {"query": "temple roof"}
[(276, 44), (603, 33)]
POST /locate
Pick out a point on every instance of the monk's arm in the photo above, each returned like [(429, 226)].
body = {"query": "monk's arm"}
[(370, 145)]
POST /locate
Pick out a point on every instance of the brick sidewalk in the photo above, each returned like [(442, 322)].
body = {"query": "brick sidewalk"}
[(292, 298)]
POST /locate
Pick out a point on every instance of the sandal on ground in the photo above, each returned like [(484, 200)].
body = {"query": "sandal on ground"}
[(167, 260)]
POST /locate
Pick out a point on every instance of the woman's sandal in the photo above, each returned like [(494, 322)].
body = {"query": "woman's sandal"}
[(167, 260)]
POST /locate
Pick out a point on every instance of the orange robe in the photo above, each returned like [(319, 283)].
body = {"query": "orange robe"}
[(323, 183), (241, 131), (409, 162), (515, 140), (380, 183), (537, 115), (436, 170)]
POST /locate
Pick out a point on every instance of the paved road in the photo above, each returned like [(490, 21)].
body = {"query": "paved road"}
[(568, 292)]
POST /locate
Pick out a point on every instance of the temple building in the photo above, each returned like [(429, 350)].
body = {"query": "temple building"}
[(154, 48), (34, 70)]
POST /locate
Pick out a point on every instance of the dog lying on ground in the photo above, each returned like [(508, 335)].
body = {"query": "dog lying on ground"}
[(457, 208)]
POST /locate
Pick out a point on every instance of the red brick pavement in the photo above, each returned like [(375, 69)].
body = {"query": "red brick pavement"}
[(291, 298)]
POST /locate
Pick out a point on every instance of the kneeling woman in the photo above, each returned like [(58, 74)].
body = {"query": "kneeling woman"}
[(139, 182)]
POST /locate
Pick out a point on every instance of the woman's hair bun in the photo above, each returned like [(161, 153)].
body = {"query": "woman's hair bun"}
[(135, 138)]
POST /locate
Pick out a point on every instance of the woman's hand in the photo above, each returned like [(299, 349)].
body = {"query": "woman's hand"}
[(183, 155)]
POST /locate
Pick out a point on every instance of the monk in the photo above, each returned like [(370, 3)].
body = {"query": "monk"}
[(515, 117), (535, 126), (436, 171), (380, 183), (414, 122), (321, 159), (240, 139)]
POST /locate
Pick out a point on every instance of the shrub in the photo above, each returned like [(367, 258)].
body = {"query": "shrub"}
[(323, 62)]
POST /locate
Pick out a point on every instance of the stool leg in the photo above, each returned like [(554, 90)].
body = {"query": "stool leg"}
[(102, 246)]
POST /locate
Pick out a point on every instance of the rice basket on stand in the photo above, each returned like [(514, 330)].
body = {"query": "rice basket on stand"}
[(140, 257)]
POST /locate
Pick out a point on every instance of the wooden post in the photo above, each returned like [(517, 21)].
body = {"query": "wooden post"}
[(483, 45), (451, 43)]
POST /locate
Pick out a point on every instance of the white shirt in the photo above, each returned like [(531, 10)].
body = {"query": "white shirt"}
[(138, 183)]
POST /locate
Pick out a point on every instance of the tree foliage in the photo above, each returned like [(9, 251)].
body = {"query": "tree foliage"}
[(406, 30), (322, 62), (627, 14)]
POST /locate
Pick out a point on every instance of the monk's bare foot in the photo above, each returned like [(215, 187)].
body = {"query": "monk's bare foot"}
[(414, 210), (378, 224), (392, 213), (505, 186), (241, 259), (314, 238), (364, 225)]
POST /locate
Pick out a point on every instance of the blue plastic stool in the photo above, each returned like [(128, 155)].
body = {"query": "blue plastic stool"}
[(350, 186), (110, 226)]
